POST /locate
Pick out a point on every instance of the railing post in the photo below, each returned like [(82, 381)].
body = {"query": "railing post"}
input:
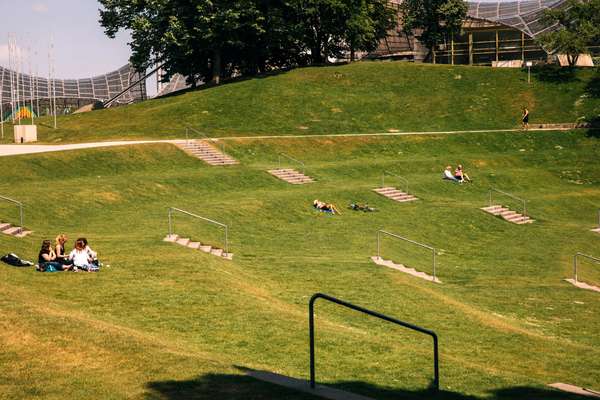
[(491, 198), (21, 215), (575, 266), (433, 264), (187, 141), (311, 330), (226, 240), (524, 208), (436, 366), (379, 245), (170, 222), (279, 162), (383, 180)]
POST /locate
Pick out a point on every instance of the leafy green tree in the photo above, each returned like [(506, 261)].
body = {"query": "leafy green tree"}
[(436, 20), (576, 28), (366, 23)]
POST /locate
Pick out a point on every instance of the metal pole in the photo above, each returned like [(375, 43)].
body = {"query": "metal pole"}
[(433, 264), (575, 267), (524, 208), (226, 240), (383, 180), (170, 223), (21, 217), (279, 165), (436, 367), (311, 330), (491, 197), (186, 135)]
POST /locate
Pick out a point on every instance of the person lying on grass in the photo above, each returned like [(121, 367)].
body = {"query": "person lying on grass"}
[(47, 259), (361, 207), (81, 258), (326, 207)]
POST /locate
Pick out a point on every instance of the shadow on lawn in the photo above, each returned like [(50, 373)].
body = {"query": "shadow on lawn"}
[(242, 387)]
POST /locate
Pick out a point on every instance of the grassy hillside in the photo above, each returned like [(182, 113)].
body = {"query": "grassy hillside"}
[(357, 98), (164, 322)]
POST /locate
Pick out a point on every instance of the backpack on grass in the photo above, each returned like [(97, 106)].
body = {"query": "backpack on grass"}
[(15, 261)]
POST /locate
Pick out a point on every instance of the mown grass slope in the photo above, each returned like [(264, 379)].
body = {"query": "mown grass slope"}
[(364, 97), (164, 322)]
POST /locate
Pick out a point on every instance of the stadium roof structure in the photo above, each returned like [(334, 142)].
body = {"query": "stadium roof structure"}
[(523, 15), (98, 88)]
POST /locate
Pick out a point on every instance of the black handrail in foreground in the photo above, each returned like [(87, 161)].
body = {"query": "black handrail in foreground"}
[(311, 322)]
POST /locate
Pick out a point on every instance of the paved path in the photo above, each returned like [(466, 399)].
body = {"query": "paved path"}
[(18, 149)]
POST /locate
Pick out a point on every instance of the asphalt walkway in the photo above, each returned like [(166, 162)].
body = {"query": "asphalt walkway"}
[(20, 149)]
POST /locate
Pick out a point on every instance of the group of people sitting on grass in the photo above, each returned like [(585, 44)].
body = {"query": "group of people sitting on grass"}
[(459, 174), (53, 258)]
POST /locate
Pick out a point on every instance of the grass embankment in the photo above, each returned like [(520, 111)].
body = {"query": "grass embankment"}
[(364, 97), (170, 323)]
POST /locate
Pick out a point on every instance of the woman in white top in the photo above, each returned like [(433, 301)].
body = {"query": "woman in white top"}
[(81, 258)]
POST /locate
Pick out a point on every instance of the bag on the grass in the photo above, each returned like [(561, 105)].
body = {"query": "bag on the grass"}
[(15, 261)]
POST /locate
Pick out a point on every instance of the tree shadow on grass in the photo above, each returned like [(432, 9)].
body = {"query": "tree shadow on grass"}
[(243, 387), (555, 73)]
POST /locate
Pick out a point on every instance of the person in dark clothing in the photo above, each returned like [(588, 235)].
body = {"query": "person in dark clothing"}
[(47, 259), (525, 118)]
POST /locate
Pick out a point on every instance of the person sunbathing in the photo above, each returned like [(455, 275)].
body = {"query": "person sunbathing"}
[(47, 261), (326, 207), (361, 207)]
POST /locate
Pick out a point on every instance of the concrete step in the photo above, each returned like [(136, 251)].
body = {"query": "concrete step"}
[(227, 256), (194, 245), (13, 230), (395, 194), (207, 153), (217, 252), (183, 241), (597, 230), (405, 269), (205, 249), (171, 238), (508, 215), (23, 233), (291, 176), (4, 226)]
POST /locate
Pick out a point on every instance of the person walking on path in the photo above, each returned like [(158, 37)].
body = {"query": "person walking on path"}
[(525, 118)]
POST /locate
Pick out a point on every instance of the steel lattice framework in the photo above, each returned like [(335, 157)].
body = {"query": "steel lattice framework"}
[(29, 88)]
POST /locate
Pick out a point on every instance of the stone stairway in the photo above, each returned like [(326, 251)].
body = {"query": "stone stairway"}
[(15, 231), (206, 152), (291, 176), (406, 270), (395, 194), (507, 214), (187, 242), (597, 230)]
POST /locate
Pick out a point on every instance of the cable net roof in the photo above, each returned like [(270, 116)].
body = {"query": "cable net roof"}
[(102, 87), (523, 15)]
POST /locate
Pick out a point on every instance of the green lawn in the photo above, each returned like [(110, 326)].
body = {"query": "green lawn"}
[(165, 322), (364, 97)]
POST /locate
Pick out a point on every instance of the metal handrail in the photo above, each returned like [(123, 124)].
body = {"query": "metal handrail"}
[(394, 175), (20, 205), (578, 254), (291, 159), (511, 196), (203, 135), (311, 322), (171, 209), (379, 232)]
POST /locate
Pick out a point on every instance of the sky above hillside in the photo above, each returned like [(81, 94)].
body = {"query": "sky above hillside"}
[(81, 49)]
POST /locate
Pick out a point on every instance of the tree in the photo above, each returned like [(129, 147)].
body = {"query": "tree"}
[(366, 23), (207, 40), (576, 27), (437, 20)]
